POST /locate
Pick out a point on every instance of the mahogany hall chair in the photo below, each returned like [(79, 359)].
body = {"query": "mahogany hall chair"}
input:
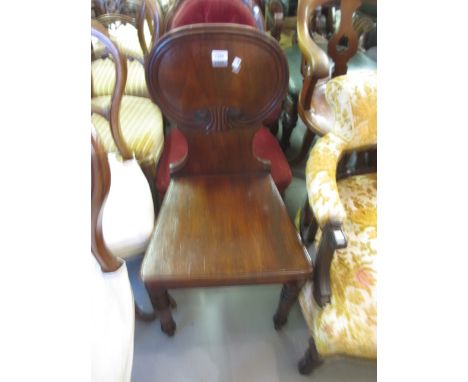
[(339, 225), (266, 146), (135, 26), (129, 126), (222, 220), (321, 60)]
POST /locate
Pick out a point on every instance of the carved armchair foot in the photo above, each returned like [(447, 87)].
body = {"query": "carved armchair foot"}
[(311, 359), (288, 297), (162, 303)]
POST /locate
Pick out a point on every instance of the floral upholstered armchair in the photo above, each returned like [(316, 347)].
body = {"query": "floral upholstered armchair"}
[(339, 224)]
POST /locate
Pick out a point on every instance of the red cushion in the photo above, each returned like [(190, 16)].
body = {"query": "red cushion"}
[(175, 148), (264, 145), (212, 11), (267, 147)]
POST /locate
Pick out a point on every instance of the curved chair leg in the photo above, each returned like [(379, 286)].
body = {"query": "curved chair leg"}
[(289, 120), (144, 315), (288, 297), (311, 359), (307, 141), (162, 303)]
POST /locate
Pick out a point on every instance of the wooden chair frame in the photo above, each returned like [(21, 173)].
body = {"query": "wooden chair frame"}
[(220, 183)]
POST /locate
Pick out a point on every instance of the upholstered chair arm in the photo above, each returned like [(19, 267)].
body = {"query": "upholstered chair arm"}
[(321, 179)]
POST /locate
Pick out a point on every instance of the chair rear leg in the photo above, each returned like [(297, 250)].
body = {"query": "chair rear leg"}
[(311, 359), (288, 297)]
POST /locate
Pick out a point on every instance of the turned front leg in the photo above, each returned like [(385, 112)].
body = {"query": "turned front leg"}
[(288, 297), (162, 303)]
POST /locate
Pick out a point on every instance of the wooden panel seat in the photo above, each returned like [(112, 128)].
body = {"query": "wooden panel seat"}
[(224, 230)]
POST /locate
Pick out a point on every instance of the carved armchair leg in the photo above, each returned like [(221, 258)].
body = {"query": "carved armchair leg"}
[(311, 359), (306, 142), (162, 303), (289, 120), (288, 297), (150, 173)]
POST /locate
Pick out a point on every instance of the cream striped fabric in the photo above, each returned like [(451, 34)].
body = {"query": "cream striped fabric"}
[(103, 74), (141, 123)]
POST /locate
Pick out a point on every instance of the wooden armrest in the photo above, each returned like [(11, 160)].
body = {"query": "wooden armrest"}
[(332, 238)]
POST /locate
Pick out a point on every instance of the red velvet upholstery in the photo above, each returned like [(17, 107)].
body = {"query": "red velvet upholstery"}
[(175, 148), (264, 145), (212, 11)]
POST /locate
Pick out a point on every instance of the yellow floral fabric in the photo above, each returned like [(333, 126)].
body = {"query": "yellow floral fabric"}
[(103, 74), (353, 99), (348, 325), (141, 123)]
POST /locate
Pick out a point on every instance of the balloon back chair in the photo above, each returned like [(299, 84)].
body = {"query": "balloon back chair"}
[(129, 126), (207, 12), (339, 226), (321, 60), (136, 29)]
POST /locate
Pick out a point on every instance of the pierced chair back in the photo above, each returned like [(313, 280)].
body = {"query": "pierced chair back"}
[(233, 77)]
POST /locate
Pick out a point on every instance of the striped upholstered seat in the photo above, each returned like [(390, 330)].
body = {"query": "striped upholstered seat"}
[(141, 123), (103, 70), (103, 74)]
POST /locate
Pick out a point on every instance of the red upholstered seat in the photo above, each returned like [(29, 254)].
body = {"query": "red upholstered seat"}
[(264, 146), (212, 11)]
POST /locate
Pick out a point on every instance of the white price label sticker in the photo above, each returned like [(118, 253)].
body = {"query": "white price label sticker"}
[(278, 15), (236, 65), (219, 58)]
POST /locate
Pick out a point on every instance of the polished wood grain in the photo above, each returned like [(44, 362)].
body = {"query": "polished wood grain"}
[(222, 220), (223, 230), (245, 97)]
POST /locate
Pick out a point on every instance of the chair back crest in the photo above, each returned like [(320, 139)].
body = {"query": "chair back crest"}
[(213, 80)]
